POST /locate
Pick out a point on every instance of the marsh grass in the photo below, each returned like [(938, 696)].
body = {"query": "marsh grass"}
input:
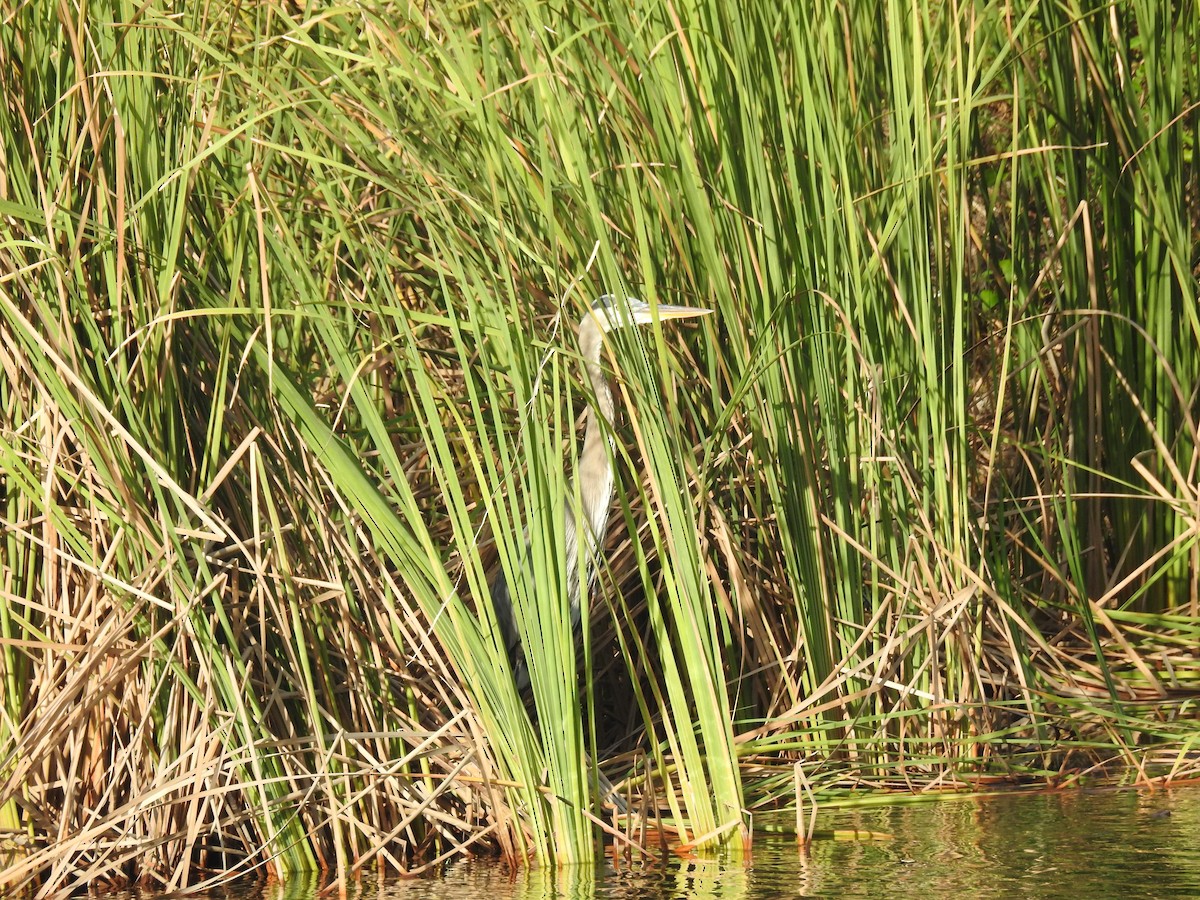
[(287, 299)]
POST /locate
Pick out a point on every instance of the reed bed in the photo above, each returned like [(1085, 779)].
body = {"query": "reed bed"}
[(287, 306)]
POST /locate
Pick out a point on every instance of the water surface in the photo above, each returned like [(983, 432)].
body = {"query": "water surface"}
[(1088, 843)]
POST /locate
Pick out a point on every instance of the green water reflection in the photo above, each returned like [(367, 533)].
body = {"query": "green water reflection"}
[(1068, 845)]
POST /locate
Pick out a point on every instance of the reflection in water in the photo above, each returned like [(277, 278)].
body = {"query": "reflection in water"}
[(1099, 843)]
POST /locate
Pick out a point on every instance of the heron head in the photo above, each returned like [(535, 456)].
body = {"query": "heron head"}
[(613, 312)]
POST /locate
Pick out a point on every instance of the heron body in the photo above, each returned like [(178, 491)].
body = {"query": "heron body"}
[(594, 474)]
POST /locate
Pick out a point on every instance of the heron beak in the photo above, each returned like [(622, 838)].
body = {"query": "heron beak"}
[(666, 312)]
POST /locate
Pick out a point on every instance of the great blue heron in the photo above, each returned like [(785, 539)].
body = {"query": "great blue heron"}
[(594, 473)]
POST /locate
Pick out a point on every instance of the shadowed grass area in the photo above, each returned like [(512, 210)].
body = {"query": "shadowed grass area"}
[(287, 310)]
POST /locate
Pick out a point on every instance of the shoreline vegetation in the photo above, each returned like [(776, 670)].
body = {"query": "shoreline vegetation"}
[(287, 299)]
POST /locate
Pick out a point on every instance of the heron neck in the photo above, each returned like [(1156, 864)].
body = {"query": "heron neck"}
[(594, 476), (591, 344)]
